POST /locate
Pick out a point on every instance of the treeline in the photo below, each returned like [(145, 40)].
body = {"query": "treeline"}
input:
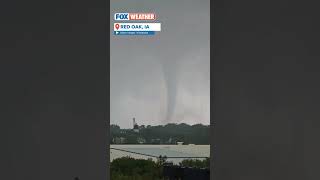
[(166, 134), (127, 168)]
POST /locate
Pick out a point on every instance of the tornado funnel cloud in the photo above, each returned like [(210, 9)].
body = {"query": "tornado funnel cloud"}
[(170, 77)]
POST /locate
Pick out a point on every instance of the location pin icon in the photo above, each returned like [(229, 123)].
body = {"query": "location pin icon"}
[(117, 26)]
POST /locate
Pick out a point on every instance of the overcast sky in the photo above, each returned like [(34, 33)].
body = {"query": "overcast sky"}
[(163, 78)]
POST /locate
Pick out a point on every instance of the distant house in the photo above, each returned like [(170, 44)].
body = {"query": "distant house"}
[(119, 140), (141, 140), (179, 143)]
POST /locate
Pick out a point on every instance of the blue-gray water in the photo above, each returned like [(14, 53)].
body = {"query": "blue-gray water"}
[(163, 150)]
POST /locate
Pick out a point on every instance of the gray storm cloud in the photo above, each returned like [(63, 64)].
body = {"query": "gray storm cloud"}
[(164, 78)]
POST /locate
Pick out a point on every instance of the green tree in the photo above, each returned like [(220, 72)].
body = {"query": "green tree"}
[(127, 168), (196, 163)]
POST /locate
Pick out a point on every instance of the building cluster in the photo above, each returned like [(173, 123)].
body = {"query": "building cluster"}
[(140, 140), (119, 140)]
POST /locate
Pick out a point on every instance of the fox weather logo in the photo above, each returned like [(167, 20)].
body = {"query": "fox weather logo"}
[(136, 28), (134, 16)]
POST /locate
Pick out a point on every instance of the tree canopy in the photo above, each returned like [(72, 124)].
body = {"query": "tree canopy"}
[(164, 134)]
